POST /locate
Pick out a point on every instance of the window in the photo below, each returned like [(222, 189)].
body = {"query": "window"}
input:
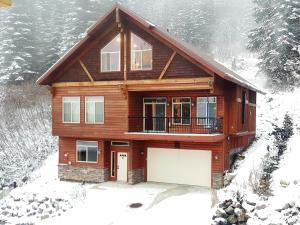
[(141, 54), (87, 151), (94, 109), (119, 143), (206, 110), (71, 109), (110, 55), (181, 110), (243, 107)]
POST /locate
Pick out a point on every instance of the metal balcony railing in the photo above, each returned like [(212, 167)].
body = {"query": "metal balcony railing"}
[(185, 125)]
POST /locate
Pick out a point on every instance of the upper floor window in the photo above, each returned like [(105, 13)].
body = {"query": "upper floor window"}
[(94, 109), (110, 55), (87, 151), (181, 110), (141, 54), (71, 109), (206, 110)]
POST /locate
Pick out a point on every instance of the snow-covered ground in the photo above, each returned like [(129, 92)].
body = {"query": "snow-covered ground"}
[(107, 203)]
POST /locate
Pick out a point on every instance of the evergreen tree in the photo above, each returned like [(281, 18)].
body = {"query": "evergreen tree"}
[(277, 40)]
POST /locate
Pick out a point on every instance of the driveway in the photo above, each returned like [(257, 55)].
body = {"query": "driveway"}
[(109, 203)]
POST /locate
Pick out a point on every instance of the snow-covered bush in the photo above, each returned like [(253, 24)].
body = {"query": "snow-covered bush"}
[(25, 131)]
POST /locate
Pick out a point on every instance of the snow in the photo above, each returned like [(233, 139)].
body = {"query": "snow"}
[(162, 203)]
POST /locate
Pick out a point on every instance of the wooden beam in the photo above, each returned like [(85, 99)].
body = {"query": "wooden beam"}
[(5, 3), (86, 71), (169, 87), (125, 56), (205, 80), (167, 65)]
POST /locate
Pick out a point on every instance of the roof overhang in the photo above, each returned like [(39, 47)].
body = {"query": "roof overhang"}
[(206, 63)]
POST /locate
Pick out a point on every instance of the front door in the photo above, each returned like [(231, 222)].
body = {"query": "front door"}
[(155, 115), (122, 166)]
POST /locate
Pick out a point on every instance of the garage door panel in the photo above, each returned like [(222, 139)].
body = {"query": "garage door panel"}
[(191, 167), (164, 168)]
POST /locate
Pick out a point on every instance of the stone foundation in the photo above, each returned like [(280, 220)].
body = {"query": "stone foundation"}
[(136, 176), (78, 173), (217, 180)]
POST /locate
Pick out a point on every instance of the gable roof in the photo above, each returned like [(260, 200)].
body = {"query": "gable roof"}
[(201, 59)]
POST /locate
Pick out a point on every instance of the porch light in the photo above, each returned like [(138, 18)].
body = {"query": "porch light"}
[(193, 103), (216, 157), (168, 104), (142, 152)]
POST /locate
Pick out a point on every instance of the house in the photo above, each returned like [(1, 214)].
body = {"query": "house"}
[(131, 103)]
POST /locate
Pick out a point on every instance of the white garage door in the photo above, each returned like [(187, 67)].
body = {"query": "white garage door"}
[(179, 166)]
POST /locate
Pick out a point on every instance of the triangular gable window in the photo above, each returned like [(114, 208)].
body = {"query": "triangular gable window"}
[(141, 54), (110, 55)]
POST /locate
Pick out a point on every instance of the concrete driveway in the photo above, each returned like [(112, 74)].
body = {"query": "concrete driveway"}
[(109, 203)]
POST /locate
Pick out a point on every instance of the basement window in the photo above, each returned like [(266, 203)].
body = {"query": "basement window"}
[(110, 55), (87, 151), (141, 53)]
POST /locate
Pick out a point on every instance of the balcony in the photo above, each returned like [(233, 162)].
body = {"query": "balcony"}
[(176, 125)]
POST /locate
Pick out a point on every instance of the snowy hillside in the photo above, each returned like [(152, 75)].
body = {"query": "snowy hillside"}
[(35, 33)]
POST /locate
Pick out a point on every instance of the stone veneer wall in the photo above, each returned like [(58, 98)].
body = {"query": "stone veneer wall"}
[(78, 173), (217, 180), (136, 176)]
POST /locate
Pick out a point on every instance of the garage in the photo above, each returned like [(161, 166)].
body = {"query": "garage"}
[(179, 166)]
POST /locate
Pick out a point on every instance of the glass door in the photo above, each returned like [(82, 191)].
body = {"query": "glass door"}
[(155, 114)]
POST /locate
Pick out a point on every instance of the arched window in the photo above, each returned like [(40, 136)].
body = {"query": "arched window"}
[(141, 54), (110, 55)]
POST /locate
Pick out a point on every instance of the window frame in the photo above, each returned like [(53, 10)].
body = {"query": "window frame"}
[(101, 54), (181, 103), (63, 109), (85, 105), (131, 55), (87, 152), (206, 111)]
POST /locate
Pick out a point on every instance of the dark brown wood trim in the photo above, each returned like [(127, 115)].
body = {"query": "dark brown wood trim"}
[(86, 71), (167, 65)]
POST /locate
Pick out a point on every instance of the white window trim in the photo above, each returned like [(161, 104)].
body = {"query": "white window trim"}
[(183, 124), (85, 105), (112, 143), (101, 54), (63, 110), (86, 152), (206, 113), (138, 50)]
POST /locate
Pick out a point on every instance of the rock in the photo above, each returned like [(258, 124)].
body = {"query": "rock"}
[(250, 202), (220, 221), (229, 210), (43, 217), (284, 183), (221, 213), (260, 206), (40, 210), (285, 206), (5, 213), (243, 217), (24, 179), (232, 219), (249, 208), (261, 215), (292, 204)]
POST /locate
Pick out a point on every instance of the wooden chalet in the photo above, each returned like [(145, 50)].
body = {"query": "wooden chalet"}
[(133, 104)]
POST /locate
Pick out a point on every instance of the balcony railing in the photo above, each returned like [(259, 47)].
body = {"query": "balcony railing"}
[(192, 125)]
